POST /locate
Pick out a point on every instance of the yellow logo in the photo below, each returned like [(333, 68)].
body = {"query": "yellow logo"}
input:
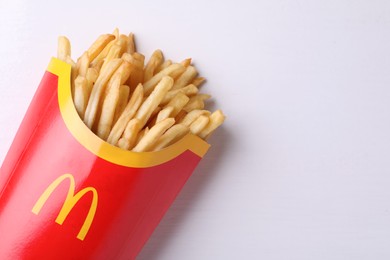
[(70, 202)]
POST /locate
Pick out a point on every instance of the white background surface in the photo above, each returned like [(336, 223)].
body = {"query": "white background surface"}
[(301, 168)]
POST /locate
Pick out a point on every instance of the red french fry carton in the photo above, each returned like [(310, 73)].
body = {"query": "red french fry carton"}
[(67, 194)]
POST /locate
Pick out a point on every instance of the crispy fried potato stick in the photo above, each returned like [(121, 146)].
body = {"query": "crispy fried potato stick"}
[(82, 65), (186, 62), (109, 106), (127, 115), (91, 76), (137, 75), (188, 91), (163, 66), (124, 70), (172, 135), (196, 102), (98, 90), (192, 116), (141, 134), (154, 99), (99, 59), (150, 138), (199, 124), (216, 119), (99, 45), (64, 49), (81, 95), (150, 84), (124, 92), (73, 73), (184, 79), (177, 102), (129, 138), (154, 62), (198, 81), (163, 114), (131, 44), (114, 53)]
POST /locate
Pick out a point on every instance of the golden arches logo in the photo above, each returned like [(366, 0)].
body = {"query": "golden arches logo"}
[(70, 201)]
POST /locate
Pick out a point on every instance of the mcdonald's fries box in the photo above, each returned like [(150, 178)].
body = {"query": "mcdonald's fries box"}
[(66, 194)]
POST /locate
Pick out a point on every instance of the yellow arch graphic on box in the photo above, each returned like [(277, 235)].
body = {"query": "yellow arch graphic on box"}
[(70, 201), (105, 150)]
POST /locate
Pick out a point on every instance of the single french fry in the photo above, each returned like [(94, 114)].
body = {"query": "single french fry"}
[(184, 79), (134, 59), (147, 141), (198, 81), (136, 62), (124, 70), (177, 102), (177, 73), (199, 124), (124, 92), (99, 59), (196, 102), (192, 116), (82, 65), (188, 91), (108, 109), (172, 135), (116, 33), (163, 114), (122, 143), (151, 84), (154, 62), (132, 129), (186, 62), (126, 39), (64, 49), (81, 95), (97, 66), (73, 73), (99, 45), (137, 75), (127, 114), (154, 99), (112, 54), (123, 41), (141, 134), (98, 90), (131, 44), (140, 57), (216, 119), (163, 66), (130, 134), (91, 76), (201, 97)]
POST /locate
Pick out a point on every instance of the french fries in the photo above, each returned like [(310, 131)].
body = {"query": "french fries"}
[(150, 138), (137, 107), (108, 110), (63, 51)]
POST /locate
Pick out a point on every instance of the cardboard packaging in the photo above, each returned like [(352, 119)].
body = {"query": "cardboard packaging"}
[(67, 194)]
